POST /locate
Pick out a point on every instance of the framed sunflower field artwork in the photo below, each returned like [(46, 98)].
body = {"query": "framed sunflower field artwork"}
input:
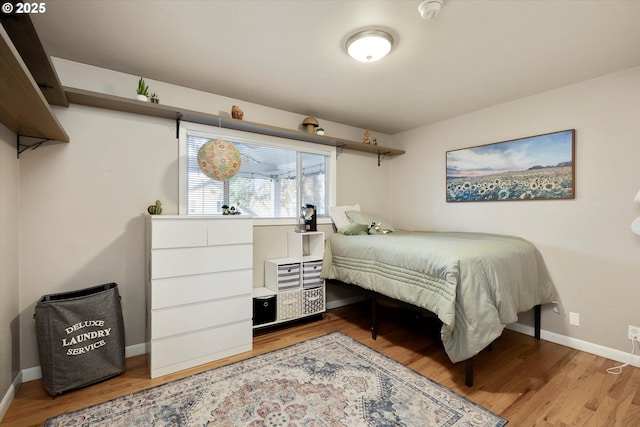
[(540, 167)]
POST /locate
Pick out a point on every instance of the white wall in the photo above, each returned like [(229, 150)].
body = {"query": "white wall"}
[(587, 243), (83, 203), (82, 207), (9, 286)]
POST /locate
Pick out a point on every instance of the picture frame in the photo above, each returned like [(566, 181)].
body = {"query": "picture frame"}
[(540, 167)]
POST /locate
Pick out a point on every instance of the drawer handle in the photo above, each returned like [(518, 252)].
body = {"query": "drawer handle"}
[(314, 298)]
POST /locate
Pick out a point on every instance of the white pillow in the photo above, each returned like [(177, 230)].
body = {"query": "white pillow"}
[(339, 216)]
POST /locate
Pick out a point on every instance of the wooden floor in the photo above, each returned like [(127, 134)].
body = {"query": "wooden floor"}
[(528, 382)]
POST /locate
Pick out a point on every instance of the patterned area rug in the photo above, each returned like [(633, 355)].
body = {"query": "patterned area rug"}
[(332, 380)]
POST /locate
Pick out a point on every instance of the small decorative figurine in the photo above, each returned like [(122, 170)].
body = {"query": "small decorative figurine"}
[(155, 209), (154, 98), (376, 228), (226, 210), (367, 138), (237, 113), (310, 124)]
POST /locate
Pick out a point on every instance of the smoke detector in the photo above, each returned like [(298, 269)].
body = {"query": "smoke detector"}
[(428, 9)]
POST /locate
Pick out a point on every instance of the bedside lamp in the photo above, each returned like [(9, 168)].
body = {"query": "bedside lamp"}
[(635, 225)]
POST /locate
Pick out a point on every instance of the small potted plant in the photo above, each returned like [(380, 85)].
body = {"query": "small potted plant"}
[(320, 131), (142, 94)]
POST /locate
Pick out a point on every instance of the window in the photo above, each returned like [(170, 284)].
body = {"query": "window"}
[(277, 175)]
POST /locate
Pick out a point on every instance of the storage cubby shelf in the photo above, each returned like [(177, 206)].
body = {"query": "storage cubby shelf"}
[(293, 286)]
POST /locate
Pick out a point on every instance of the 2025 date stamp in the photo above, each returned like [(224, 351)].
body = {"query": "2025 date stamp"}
[(24, 8)]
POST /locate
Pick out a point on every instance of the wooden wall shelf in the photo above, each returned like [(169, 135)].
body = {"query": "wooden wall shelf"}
[(26, 41), (117, 103), (23, 108)]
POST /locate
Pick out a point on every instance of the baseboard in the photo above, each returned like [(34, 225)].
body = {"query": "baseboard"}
[(588, 347), (344, 301), (35, 373), (598, 350), (9, 395), (135, 350), (31, 374)]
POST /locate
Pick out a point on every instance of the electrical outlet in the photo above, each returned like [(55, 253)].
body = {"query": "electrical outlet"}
[(574, 318), (634, 333)]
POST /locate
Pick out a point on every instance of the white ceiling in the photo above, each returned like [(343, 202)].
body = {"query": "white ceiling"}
[(290, 54)]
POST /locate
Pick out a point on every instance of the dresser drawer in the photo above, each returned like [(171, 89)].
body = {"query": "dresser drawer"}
[(229, 231), (208, 259), (172, 291), (186, 318), (188, 350), (178, 233)]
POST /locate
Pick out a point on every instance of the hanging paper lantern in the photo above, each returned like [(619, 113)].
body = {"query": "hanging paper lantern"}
[(219, 159)]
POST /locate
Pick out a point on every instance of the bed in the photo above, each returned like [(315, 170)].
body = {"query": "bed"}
[(475, 283)]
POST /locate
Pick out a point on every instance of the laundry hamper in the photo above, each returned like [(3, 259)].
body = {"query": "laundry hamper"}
[(80, 337)]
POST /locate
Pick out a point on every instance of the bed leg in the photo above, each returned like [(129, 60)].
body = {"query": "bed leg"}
[(374, 320), (468, 372), (537, 315)]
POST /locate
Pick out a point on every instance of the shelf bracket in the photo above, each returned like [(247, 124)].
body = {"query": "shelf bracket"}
[(178, 119), (20, 148), (381, 157)]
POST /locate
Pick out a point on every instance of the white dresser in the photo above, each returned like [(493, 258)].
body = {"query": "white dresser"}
[(199, 290)]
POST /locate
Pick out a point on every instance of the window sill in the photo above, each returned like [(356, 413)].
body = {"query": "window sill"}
[(269, 222)]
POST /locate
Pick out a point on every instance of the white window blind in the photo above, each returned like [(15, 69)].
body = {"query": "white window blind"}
[(273, 181)]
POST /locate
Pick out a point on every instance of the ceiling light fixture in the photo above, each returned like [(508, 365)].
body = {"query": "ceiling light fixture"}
[(369, 45), (428, 9)]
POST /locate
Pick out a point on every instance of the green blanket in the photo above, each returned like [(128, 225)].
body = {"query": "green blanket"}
[(475, 283)]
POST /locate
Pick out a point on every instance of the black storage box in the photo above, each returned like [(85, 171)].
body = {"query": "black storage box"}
[(80, 337), (264, 309)]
